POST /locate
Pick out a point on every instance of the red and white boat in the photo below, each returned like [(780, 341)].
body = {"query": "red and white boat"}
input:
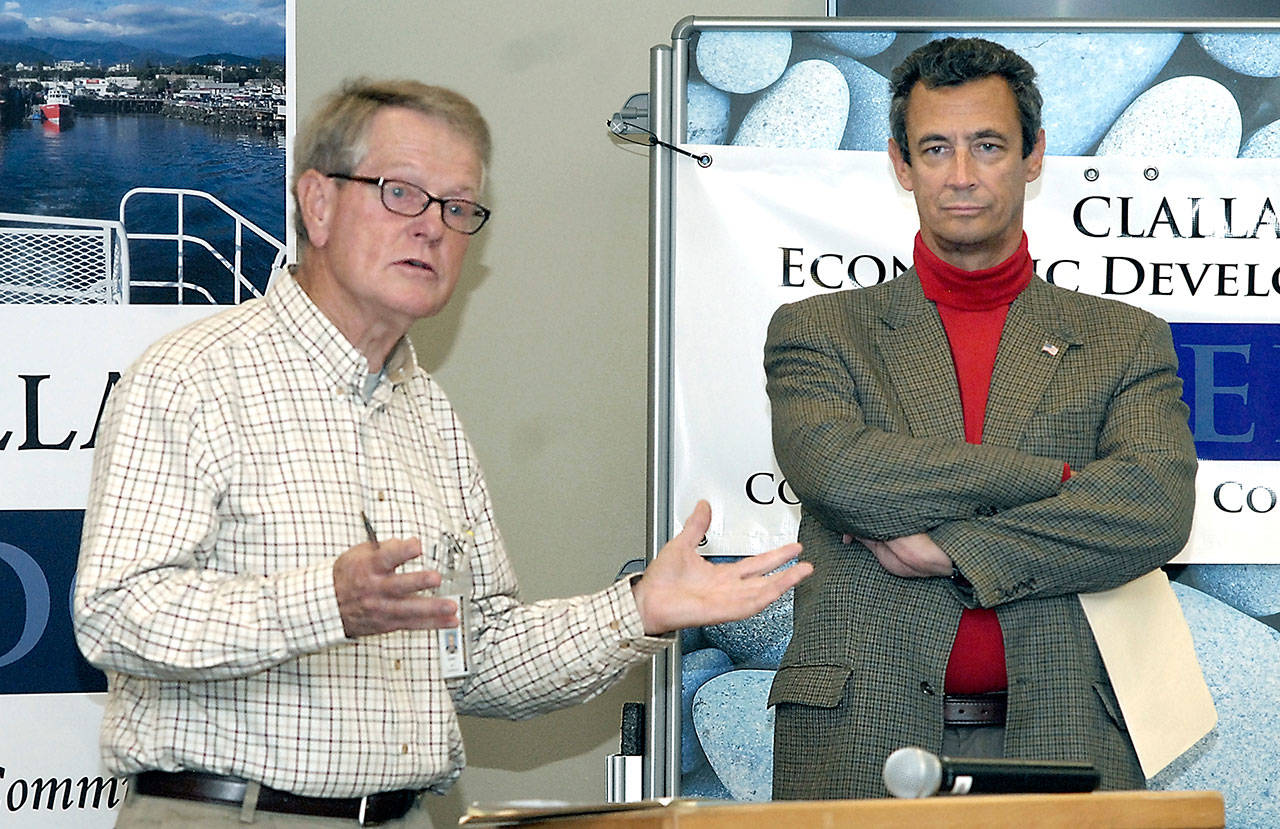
[(57, 108)]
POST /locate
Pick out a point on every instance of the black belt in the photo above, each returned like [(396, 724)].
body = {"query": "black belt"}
[(974, 709), (216, 788)]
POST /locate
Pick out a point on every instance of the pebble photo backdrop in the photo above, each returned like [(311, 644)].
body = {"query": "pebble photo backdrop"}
[(1146, 93)]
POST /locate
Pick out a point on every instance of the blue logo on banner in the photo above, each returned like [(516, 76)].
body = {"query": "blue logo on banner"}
[(38, 653), (1231, 380)]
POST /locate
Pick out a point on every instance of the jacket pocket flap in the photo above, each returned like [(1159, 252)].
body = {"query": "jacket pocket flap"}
[(821, 685)]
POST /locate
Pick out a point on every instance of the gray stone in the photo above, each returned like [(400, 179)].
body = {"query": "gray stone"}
[(692, 639), (696, 669), (703, 783), (1241, 756), (857, 44), (742, 61), (757, 641), (708, 114), (1264, 143), (1249, 588), (806, 109), (1087, 79), (735, 725), (1188, 116), (867, 127), (1256, 54)]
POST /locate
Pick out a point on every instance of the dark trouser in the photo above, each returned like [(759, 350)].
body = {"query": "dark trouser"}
[(973, 725), (973, 741)]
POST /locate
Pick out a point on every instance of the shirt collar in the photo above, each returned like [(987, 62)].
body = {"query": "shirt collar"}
[(341, 361)]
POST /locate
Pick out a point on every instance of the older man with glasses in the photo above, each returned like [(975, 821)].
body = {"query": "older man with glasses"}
[(290, 569)]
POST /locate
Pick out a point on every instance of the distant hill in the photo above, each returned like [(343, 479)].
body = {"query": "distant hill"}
[(14, 52), (108, 53), (231, 59), (91, 52)]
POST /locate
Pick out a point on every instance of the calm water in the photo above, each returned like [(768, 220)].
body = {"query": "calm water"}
[(83, 172)]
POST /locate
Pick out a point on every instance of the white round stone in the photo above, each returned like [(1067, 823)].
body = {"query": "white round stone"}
[(735, 726), (1264, 143), (857, 44), (1086, 79), (1256, 54), (708, 114), (1240, 757), (1188, 116), (742, 61), (806, 109), (867, 127)]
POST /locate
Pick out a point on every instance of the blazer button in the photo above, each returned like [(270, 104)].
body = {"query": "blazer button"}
[(926, 688), (986, 511)]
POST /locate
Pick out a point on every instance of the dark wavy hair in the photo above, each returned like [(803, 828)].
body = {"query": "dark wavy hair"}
[(952, 61)]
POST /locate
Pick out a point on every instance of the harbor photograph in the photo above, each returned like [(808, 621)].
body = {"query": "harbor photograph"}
[(142, 151), (142, 188)]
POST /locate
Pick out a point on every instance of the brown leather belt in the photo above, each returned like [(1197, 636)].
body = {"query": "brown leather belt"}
[(216, 788), (974, 709)]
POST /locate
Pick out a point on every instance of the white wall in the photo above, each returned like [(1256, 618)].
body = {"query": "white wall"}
[(543, 348)]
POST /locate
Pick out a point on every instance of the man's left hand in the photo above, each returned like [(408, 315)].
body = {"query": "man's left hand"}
[(910, 556), (681, 589)]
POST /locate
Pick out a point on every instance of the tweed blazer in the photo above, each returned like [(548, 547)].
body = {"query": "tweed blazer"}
[(868, 429)]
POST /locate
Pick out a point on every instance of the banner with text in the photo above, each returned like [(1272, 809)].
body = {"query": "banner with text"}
[(58, 364), (1194, 241)]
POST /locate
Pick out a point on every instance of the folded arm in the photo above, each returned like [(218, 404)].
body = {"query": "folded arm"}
[(1119, 515), (1003, 516)]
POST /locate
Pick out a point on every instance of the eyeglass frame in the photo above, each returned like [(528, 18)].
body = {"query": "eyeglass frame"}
[(381, 183)]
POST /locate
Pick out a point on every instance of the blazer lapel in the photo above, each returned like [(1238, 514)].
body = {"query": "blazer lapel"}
[(917, 361), (1034, 341)]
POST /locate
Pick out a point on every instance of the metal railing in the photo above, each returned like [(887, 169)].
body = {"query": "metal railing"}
[(181, 239), (62, 260), (66, 260)]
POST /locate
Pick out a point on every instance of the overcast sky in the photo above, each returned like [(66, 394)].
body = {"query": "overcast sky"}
[(185, 27)]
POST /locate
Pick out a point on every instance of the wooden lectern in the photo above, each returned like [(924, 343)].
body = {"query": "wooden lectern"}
[(1113, 810)]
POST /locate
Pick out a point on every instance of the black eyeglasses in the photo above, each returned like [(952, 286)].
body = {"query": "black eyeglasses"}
[(407, 199)]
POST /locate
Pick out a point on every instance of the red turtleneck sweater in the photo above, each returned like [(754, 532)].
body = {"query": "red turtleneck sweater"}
[(973, 306)]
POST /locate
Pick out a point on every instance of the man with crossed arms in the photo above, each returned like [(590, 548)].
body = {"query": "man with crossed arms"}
[(972, 448)]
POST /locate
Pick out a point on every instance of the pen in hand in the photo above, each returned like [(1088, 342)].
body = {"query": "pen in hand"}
[(368, 528)]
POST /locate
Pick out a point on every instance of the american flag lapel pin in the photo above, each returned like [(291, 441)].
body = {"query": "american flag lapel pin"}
[(1050, 349)]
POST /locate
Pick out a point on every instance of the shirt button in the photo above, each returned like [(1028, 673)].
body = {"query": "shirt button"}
[(382, 496), (614, 625), (927, 689), (396, 664), (624, 644), (404, 749)]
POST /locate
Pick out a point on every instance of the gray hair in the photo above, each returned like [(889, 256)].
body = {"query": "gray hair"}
[(334, 138)]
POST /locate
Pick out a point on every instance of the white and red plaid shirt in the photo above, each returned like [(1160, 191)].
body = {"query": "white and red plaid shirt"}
[(232, 468)]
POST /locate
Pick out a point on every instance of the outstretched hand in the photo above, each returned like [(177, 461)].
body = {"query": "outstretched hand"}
[(682, 589)]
